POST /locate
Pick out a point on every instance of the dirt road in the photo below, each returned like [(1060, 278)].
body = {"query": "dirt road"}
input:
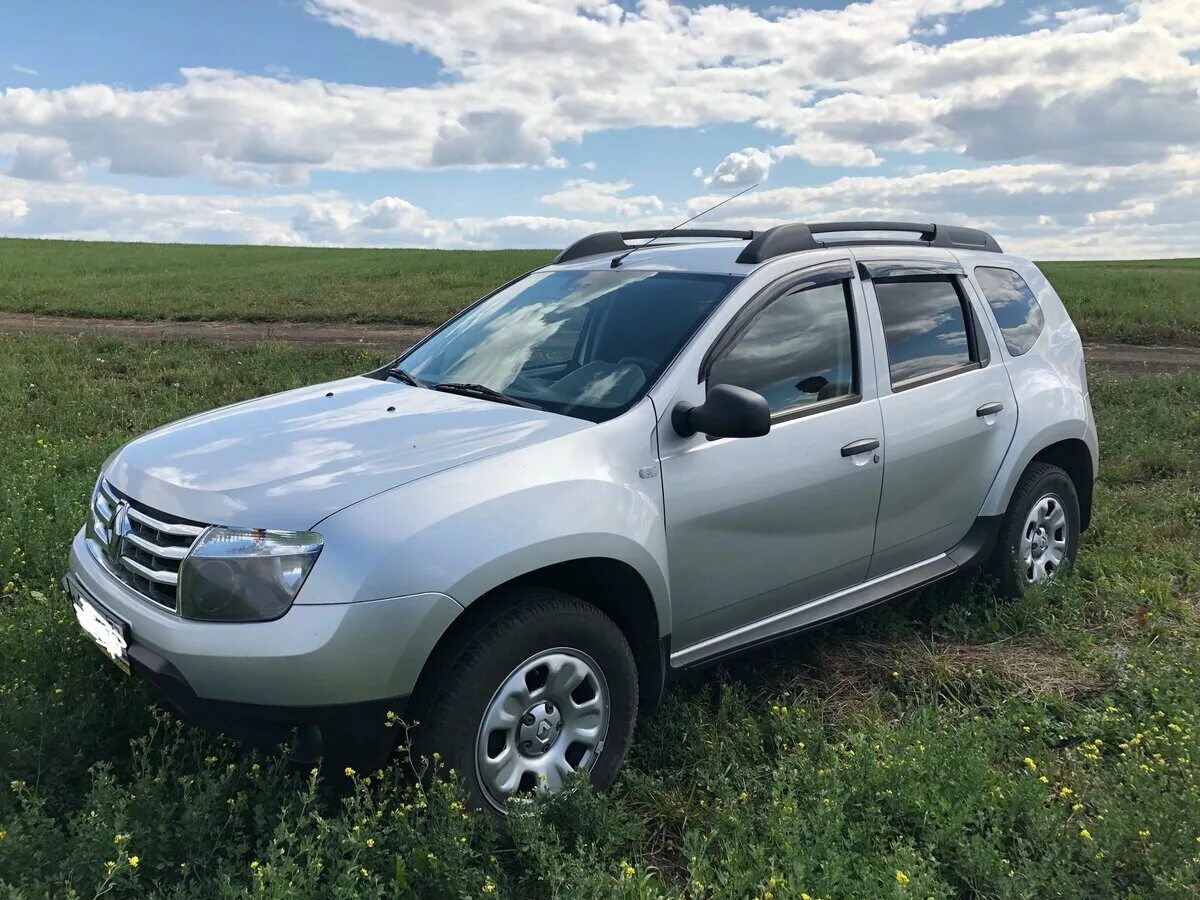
[(395, 338)]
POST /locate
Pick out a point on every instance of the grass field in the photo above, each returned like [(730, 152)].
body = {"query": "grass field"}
[(1151, 301), (948, 745)]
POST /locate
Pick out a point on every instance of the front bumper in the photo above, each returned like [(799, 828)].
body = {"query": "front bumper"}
[(315, 657)]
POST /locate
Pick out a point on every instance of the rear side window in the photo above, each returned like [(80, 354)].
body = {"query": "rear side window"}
[(1014, 305), (925, 328), (797, 352)]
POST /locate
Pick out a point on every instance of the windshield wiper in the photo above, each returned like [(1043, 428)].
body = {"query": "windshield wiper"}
[(401, 375), (483, 392)]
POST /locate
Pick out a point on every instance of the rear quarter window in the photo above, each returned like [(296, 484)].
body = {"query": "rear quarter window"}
[(1014, 305)]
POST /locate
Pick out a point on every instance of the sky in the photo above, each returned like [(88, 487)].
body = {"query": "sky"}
[(1067, 130)]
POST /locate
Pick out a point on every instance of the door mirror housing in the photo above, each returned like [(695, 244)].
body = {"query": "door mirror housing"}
[(728, 411)]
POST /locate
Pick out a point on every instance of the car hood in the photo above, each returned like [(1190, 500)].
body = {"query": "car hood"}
[(291, 459)]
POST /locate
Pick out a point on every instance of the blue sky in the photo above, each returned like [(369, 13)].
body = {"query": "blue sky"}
[(1069, 129)]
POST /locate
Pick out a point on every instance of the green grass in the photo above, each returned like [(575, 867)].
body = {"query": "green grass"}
[(948, 745), (179, 281), (1150, 301), (1143, 301)]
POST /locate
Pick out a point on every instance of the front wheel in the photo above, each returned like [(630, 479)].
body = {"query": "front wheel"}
[(1039, 536), (541, 689)]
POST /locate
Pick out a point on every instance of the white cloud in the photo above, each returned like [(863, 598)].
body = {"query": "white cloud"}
[(13, 209), (1097, 98), (44, 159), (602, 198), (741, 168), (24, 70), (842, 86), (1048, 210)]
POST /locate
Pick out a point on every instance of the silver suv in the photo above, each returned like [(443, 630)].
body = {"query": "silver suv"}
[(635, 460)]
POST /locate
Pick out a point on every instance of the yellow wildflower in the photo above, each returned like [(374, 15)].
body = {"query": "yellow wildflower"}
[(901, 878), (134, 861), (1085, 834), (1031, 764), (349, 772), (1143, 834)]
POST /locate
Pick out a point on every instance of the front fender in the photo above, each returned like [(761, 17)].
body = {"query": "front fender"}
[(472, 528)]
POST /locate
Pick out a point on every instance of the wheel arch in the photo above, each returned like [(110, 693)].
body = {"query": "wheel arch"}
[(1066, 443), (612, 585), (1075, 458)]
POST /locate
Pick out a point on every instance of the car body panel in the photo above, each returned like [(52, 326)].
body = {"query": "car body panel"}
[(287, 460), (1050, 381), (315, 655), (755, 526), (472, 528), (941, 457)]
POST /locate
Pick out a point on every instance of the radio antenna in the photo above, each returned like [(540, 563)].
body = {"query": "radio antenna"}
[(618, 259)]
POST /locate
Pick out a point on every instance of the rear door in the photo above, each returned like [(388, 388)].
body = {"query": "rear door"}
[(949, 413)]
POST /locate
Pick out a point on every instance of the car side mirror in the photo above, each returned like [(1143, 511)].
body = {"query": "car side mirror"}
[(727, 411)]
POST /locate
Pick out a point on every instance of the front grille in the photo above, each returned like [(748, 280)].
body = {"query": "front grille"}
[(150, 548)]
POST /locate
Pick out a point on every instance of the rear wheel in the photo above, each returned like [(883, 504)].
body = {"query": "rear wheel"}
[(545, 687), (1039, 536)]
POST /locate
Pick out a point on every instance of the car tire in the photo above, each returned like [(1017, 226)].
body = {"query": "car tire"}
[(1039, 535), (543, 685)]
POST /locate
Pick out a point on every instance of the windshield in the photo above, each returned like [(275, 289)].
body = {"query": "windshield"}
[(584, 343)]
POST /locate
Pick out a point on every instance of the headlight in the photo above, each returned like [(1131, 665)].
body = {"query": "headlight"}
[(245, 574)]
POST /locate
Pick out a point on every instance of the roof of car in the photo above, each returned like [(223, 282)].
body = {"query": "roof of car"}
[(740, 252)]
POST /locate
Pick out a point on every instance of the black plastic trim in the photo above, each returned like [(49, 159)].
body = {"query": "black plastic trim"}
[(811, 409), (797, 237), (841, 604), (865, 445), (823, 273), (265, 726), (778, 241), (976, 548), (932, 377), (593, 245), (883, 269), (791, 238), (604, 242)]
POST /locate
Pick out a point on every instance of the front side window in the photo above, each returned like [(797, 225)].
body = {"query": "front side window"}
[(1016, 308), (582, 343), (924, 327), (797, 352)]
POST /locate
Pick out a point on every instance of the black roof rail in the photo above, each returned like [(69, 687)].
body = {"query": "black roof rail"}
[(796, 237), (614, 241)]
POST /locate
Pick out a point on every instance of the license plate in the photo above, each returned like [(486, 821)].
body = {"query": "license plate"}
[(108, 633)]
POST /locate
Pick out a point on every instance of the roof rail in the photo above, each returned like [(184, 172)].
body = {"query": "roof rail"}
[(614, 241), (796, 237)]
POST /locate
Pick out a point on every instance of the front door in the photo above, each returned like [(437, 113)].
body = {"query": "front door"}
[(759, 525)]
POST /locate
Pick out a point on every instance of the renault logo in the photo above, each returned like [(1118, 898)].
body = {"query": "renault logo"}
[(118, 527)]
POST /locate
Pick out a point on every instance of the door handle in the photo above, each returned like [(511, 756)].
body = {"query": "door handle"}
[(989, 409), (861, 446)]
